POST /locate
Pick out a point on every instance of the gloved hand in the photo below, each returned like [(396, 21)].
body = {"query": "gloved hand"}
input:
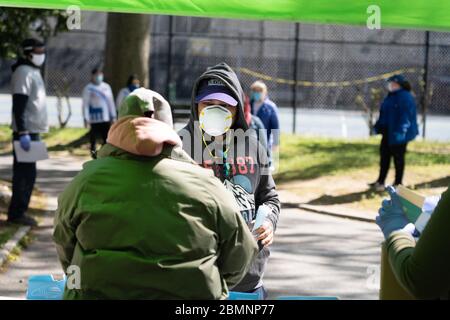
[(25, 142), (400, 136), (391, 216)]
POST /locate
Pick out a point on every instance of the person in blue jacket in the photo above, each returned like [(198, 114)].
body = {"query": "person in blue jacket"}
[(267, 111), (397, 123)]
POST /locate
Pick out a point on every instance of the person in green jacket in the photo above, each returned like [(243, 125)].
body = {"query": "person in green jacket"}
[(422, 268), (143, 221)]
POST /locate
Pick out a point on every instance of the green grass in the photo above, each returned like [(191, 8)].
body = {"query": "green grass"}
[(5, 133), (303, 158), (323, 171), (63, 136), (5, 137), (6, 232), (56, 139)]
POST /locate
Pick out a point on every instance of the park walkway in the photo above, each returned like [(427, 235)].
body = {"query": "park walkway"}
[(40, 256)]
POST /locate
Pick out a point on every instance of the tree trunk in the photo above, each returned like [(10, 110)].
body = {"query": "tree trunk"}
[(127, 49)]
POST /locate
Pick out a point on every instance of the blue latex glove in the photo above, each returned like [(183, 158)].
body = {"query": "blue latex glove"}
[(391, 216), (25, 142), (400, 136)]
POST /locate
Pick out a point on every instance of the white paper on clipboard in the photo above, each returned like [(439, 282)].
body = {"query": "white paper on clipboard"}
[(37, 152), (262, 214)]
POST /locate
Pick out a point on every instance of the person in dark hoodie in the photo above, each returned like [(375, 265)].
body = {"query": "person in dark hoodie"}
[(29, 120), (217, 136)]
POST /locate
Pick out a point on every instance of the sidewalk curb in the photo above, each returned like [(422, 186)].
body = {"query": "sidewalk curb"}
[(12, 243), (18, 235), (320, 210)]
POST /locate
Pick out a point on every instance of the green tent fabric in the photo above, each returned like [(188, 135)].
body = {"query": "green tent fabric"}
[(417, 14)]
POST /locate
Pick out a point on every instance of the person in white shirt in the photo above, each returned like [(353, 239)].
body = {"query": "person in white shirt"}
[(29, 121), (133, 83), (99, 110)]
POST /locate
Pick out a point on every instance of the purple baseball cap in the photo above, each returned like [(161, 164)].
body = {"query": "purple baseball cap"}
[(215, 89)]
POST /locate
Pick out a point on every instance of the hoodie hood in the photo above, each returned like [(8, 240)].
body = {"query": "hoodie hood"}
[(224, 73), (142, 136)]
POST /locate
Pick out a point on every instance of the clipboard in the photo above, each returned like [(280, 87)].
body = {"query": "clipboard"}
[(412, 202), (37, 152)]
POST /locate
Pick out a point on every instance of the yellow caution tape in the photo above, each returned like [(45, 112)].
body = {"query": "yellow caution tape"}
[(329, 84)]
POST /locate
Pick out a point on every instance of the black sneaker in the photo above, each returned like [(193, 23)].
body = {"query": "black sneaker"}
[(373, 184), (24, 220), (378, 187)]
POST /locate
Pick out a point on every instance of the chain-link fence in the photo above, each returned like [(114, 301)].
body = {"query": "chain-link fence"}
[(70, 57), (306, 66)]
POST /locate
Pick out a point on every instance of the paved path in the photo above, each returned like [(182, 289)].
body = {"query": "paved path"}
[(313, 254), (40, 257), (319, 255)]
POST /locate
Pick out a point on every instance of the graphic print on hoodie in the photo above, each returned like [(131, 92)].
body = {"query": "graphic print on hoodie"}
[(244, 172)]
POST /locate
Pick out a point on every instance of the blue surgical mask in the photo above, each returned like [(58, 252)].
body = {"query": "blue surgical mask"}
[(133, 87), (256, 96), (99, 79)]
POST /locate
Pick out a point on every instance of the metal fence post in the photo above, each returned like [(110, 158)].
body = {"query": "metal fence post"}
[(294, 86), (424, 99), (169, 61)]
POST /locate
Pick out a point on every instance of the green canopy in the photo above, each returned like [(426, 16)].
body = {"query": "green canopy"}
[(417, 14)]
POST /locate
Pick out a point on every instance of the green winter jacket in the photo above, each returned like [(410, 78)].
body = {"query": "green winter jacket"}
[(151, 228)]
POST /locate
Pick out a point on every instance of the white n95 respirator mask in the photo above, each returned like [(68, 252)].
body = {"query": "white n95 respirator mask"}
[(38, 59), (215, 120)]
